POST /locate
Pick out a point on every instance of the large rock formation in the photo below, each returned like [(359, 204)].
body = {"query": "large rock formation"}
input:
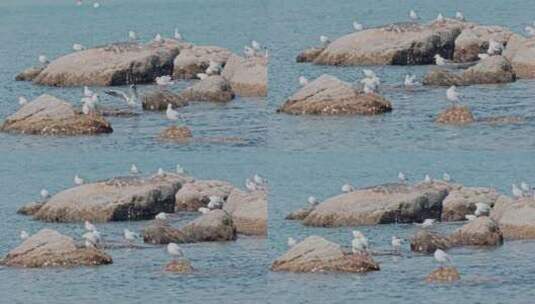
[(48, 115), (461, 202), (214, 88), (118, 199), (196, 59), (247, 76), (516, 218), (249, 211), (316, 254), (197, 194), (390, 203), (398, 44), (520, 52), (113, 64), (475, 40), (49, 248), (492, 70), (327, 95), (483, 231), (157, 100)]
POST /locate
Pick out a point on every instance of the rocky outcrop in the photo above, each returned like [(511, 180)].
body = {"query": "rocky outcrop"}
[(492, 70), (428, 242), (48, 115), (179, 266), (247, 76), (49, 248), (30, 208), (118, 199), (178, 134), (309, 55), (455, 115), (299, 214), (29, 74), (197, 194), (520, 52), (327, 95), (157, 100), (443, 275), (461, 202), (113, 64), (214, 88), (483, 231), (316, 254), (196, 59), (249, 211), (475, 40), (214, 226), (516, 218), (396, 44), (389, 203)]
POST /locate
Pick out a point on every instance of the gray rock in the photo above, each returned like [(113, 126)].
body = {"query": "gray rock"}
[(249, 211), (475, 40), (463, 201), (247, 76), (29, 74), (157, 100), (214, 88), (196, 194)]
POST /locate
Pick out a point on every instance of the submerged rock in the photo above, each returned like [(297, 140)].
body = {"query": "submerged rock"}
[(196, 194), (249, 211), (112, 65), (327, 95), (30, 208), (29, 74), (247, 76), (196, 59), (179, 134), (389, 203), (157, 100), (118, 199), (49, 248), (214, 88), (455, 115), (397, 44), (48, 115), (520, 52), (179, 266), (443, 275), (475, 40), (482, 231), (316, 254), (516, 218), (461, 202)]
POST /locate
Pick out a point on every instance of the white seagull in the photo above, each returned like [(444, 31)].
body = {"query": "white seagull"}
[(178, 36), (427, 223), (452, 95), (174, 250), (96, 5), (428, 179), (203, 210), (440, 18), (160, 172), (24, 235), (346, 188), (396, 243), (134, 169), (250, 185), (162, 216), (413, 15), (164, 80), (256, 46), (313, 201), (446, 177), (132, 35), (89, 226), (179, 169), (22, 100), (43, 59), (171, 114), (44, 194), (357, 26), (470, 217), (291, 242), (409, 80), (88, 92), (259, 180), (78, 47), (402, 178), (130, 236), (324, 40), (482, 209), (202, 76), (530, 30), (442, 257), (459, 16), (303, 81), (517, 193), (359, 243), (215, 202), (131, 100), (439, 60), (248, 51), (78, 180), (158, 38)]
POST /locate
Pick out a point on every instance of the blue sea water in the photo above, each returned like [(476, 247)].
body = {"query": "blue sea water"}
[(301, 156)]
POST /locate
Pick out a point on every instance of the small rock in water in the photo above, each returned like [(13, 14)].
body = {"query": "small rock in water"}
[(443, 275), (456, 115), (179, 266)]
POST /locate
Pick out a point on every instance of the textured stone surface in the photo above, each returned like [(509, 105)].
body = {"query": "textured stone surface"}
[(247, 76), (475, 40), (214, 88), (482, 231), (520, 52), (249, 211), (179, 134), (455, 115), (29, 74), (197, 194), (179, 266), (157, 100), (196, 59), (443, 275), (461, 202), (516, 218)]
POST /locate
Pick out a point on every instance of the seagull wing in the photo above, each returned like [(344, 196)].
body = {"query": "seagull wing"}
[(117, 93)]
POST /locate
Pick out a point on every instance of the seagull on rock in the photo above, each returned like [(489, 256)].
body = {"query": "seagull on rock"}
[(446, 177), (402, 178), (442, 257), (78, 180), (22, 100), (410, 80), (130, 236), (132, 35), (171, 114), (470, 217), (359, 243), (89, 226), (517, 192), (179, 169), (312, 201), (130, 99), (24, 235), (357, 26), (250, 185), (160, 172), (291, 242), (303, 81), (324, 40), (164, 81), (203, 210), (215, 202), (459, 16), (396, 243), (134, 170), (346, 188), (162, 216), (427, 223), (440, 18), (44, 194), (175, 251), (177, 35), (158, 38), (452, 95), (413, 16), (427, 179), (482, 209), (43, 59)]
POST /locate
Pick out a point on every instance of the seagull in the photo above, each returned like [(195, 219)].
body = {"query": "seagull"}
[(256, 46), (359, 243), (249, 51), (160, 172), (313, 201), (164, 80), (446, 177), (470, 217), (427, 179), (203, 210), (442, 257), (96, 5), (357, 26), (440, 18), (495, 47), (171, 114), (162, 216), (44, 194), (459, 16), (88, 92), (413, 15), (78, 180), (134, 169), (174, 250), (131, 100), (259, 180), (396, 243), (409, 80), (525, 187), (452, 95), (439, 60), (369, 73), (250, 185), (215, 202), (482, 209), (401, 177), (370, 85), (22, 100), (179, 169), (427, 223), (324, 40), (303, 81), (24, 235), (517, 193), (178, 36), (130, 236), (89, 227), (202, 76), (483, 56), (43, 59), (158, 38), (89, 104), (213, 68), (92, 238), (291, 242), (530, 30), (78, 47), (346, 188), (132, 35)]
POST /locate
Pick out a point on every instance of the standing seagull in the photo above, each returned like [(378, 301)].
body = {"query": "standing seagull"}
[(24, 235), (130, 236), (158, 38), (459, 16), (162, 216), (357, 26), (440, 18), (442, 257), (43, 60), (359, 243), (517, 193), (134, 170), (131, 100), (291, 242), (303, 81), (402, 178), (413, 15), (171, 114), (132, 35), (396, 244), (427, 179), (78, 47), (175, 251), (179, 169), (446, 177), (178, 36), (324, 40), (452, 95), (312, 201), (346, 188), (409, 80), (78, 180), (44, 194), (22, 100)]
